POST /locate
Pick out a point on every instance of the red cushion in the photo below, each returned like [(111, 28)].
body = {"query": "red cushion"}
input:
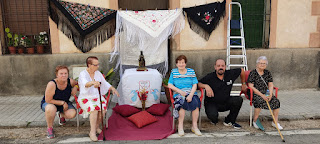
[(142, 119), (125, 110), (158, 109)]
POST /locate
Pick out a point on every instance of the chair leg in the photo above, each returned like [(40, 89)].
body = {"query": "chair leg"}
[(199, 120), (250, 116), (173, 124), (78, 119)]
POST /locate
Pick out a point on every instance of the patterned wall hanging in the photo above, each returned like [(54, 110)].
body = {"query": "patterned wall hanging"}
[(88, 26), (203, 19), (146, 31)]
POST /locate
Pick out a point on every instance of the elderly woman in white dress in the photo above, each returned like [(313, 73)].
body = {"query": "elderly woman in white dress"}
[(89, 81)]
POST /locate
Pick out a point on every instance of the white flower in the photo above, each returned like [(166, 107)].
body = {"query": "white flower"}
[(44, 32)]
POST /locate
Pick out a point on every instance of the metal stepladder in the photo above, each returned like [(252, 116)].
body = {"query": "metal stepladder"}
[(236, 42)]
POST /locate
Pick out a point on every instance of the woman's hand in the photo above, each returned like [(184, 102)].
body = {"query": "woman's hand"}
[(65, 106), (265, 97), (115, 92), (189, 98), (182, 93), (269, 98), (96, 84)]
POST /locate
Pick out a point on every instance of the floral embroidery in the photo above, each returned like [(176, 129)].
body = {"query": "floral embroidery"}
[(81, 111), (86, 15), (88, 109), (96, 99), (207, 17)]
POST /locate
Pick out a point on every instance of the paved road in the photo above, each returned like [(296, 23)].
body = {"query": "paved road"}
[(291, 137)]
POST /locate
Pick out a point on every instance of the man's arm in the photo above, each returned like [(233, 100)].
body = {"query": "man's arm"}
[(209, 90), (243, 80)]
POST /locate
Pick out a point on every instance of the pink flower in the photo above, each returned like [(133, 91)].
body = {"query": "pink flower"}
[(135, 11), (154, 21), (207, 17)]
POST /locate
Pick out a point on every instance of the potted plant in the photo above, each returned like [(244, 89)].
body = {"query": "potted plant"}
[(22, 44), (41, 39), (10, 37), (28, 44), (166, 89)]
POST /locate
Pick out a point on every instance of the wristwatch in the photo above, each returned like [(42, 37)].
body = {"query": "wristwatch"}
[(244, 83)]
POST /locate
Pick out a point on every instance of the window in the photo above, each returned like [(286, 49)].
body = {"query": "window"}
[(25, 17), (256, 21)]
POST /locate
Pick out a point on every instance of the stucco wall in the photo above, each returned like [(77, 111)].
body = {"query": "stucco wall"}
[(61, 43), (189, 40), (290, 68), (294, 23), (29, 74)]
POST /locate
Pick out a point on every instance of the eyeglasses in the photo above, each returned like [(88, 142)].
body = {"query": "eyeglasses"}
[(95, 64)]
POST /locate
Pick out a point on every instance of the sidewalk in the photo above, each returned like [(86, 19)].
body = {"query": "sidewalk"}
[(22, 111)]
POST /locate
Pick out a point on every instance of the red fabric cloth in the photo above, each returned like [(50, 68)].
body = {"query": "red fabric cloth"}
[(120, 128)]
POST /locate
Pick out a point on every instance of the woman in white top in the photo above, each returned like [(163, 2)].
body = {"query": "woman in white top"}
[(89, 81)]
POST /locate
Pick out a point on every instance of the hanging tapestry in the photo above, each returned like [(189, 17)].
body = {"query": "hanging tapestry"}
[(146, 31), (88, 26), (204, 19)]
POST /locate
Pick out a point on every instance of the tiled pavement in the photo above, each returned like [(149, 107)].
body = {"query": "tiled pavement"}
[(21, 111)]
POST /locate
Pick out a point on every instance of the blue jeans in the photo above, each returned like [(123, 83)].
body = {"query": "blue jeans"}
[(59, 108)]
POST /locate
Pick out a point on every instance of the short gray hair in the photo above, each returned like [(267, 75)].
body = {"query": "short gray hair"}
[(262, 58)]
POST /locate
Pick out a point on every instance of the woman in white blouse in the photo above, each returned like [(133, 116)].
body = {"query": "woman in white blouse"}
[(89, 81)]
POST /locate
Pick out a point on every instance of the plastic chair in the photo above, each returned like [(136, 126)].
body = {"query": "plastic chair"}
[(79, 108), (251, 94), (172, 107)]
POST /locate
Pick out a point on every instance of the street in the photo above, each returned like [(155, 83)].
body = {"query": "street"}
[(301, 131)]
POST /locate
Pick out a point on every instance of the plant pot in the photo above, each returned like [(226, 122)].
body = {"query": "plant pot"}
[(30, 50), (12, 50), (166, 89), (40, 49), (20, 50)]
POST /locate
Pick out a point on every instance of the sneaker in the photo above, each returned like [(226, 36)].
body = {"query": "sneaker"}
[(196, 131), (50, 133), (180, 132), (227, 123), (258, 125), (62, 120), (236, 126), (279, 126)]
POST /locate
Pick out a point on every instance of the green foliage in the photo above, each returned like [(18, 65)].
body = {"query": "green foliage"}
[(26, 42), (16, 40), (165, 81), (9, 36), (42, 38)]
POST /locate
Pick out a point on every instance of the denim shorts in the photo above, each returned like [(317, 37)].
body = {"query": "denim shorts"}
[(194, 104), (59, 108)]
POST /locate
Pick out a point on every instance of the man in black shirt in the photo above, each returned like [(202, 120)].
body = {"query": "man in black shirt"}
[(218, 85)]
